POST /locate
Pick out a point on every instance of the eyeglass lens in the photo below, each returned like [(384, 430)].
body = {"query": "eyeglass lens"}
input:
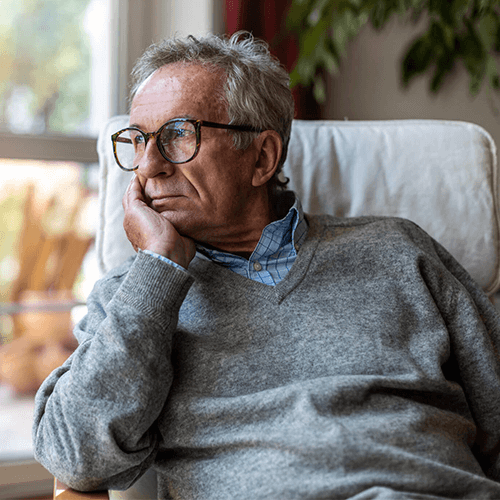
[(177, 138)]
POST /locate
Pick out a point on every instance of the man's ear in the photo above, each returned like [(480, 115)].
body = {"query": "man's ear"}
[(269, 147)]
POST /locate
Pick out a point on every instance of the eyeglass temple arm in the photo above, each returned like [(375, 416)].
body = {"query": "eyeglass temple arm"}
[(122, 139), (242, 128)]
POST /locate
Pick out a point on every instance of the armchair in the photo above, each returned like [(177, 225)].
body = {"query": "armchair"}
[(443, 175)]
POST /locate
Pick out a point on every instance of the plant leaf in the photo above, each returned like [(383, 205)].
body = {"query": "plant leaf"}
[(444, 66), (319, 89), (487, 30), (418, 58), (296, 77), (298, 14), (458, 10), (470, 49), (492, 74)]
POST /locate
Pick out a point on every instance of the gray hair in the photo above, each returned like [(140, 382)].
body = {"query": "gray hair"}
[(256, 90)]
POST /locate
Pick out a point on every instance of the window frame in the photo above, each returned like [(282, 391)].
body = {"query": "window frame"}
[(83, 148), (48, 147)]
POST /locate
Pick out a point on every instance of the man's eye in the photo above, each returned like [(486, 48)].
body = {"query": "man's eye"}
[(172, 134), (138, 139)]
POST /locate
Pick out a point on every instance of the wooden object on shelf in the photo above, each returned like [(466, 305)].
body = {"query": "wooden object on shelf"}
[(74, 249), (53, 241), (29, 240), (28, 360), (40, 323), (46, 249), (17, 366), (46, 341), (52, 244)]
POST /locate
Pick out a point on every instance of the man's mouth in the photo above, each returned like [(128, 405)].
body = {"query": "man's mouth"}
[(162, 201)]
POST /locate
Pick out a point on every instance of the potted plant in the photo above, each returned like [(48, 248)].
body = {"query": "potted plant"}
[(458, 32)]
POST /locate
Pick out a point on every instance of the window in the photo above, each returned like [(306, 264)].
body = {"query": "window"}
[(55, 66), (55, 91), (57, 61)]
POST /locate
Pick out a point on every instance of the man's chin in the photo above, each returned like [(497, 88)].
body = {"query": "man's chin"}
[(185, 225)]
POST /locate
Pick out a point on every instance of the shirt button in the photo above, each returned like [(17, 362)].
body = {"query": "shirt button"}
[(257, 266)]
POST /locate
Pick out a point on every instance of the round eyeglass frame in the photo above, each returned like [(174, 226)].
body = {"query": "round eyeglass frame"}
[(197, 126)]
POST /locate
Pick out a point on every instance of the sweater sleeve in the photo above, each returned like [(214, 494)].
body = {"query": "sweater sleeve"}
[(473, 324), (94, 424)]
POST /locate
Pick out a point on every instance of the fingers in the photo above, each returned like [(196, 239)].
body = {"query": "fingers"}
[(133, 204), (148, 230), (133, 192)]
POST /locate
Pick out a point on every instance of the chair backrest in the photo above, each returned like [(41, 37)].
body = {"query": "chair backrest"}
[(443, 175)]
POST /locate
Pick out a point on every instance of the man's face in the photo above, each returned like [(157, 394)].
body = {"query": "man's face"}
[(210, 198)]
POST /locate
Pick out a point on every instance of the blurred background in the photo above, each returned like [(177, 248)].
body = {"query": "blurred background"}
[(64, 67)]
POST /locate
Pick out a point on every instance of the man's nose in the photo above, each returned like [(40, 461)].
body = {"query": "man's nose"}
[(152, 162)]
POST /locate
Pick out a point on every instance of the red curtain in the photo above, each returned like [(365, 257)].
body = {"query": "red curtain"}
[(265, 19)]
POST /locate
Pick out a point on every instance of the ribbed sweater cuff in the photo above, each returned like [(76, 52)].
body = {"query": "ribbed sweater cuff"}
[(155, 288)]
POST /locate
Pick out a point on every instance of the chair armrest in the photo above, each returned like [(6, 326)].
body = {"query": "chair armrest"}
[(63, 492)]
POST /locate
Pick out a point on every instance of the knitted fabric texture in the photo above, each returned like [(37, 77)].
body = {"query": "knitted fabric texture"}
[(370, 371)]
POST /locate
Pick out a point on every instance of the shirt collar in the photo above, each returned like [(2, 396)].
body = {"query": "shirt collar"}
[(286, 234)]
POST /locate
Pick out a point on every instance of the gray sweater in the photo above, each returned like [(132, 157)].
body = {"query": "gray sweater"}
[(371, 371)]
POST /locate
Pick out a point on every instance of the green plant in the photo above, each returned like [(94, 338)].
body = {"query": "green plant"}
[(458, 32)]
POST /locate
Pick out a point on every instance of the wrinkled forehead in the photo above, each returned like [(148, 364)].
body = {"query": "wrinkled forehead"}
[(173, 73), (186, 84)]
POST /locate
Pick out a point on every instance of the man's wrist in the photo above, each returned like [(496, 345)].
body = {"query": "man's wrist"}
[(164, 259)]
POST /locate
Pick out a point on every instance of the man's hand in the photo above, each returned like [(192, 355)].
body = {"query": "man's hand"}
[(148, 230)]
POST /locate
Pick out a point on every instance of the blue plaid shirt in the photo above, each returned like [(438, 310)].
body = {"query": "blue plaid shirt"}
[(274, 254)]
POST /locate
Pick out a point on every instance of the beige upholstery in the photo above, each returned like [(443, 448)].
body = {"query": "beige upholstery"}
[(443, 175)]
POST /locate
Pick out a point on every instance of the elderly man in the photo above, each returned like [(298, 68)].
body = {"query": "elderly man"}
[(249, 351)]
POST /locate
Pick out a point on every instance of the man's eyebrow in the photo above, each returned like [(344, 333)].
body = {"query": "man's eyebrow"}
[(188, 116)]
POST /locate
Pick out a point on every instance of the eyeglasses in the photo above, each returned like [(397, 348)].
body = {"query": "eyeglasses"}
[(178, 141)]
